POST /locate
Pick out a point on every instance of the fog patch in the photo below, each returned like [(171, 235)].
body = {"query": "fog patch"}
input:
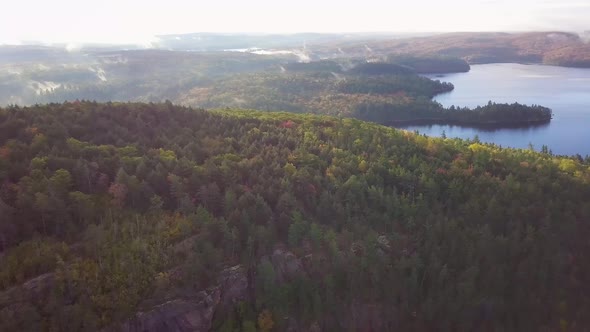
[(246, 50), (345, 66), (148, 42), (112, 59), (12, 70), (338, 77), (100, 73), (43, 87), (269, 52), (303, 57)]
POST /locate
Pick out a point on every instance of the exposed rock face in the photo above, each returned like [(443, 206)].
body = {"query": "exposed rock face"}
[(234, 287), (195, 312), (286, 265), (18, 304), (192, 313), (33, 290), (182, 310)]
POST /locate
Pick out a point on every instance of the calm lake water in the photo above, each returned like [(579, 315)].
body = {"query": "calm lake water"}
[(565, 90)]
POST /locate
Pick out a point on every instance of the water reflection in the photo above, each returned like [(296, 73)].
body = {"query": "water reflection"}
[(564, 90), (482, 127)]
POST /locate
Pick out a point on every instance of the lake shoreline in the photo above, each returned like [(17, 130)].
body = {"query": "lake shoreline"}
[(468, 124), (565, 90)]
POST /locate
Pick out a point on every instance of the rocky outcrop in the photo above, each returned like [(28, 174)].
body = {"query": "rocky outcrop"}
[(184, 310), (286, 265), (19, 305), (233, 283), (194, 312), (32, 291)]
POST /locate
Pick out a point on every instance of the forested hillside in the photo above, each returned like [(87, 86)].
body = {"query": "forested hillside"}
[(38, 75), (253, 221), (551, 47), (381, 92), (386, 88)]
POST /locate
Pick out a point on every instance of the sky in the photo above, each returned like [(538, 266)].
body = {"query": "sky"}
[(138, 21)]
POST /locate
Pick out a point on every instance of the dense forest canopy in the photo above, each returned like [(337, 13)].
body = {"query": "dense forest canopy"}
[(382, 92), (275, 221), (430, 64)]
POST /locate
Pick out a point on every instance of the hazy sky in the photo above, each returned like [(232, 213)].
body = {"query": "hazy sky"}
[(139, 20)]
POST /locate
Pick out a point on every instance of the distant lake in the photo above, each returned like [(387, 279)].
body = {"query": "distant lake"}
[(565, 90)]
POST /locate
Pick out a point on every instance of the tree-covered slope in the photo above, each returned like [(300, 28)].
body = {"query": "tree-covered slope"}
[(330, 224), (551, 47), (372, 91), (387, 89)]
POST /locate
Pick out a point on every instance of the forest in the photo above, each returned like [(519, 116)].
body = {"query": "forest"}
[(556, 48), (33, 75), (387, 88), (156, 217), (382, 92), (431, 64), (490, 115)]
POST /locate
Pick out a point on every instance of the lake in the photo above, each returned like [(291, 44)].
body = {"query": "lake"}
[(565, 90)]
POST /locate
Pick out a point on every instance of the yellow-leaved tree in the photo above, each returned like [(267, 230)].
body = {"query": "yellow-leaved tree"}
[(265, 322)]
